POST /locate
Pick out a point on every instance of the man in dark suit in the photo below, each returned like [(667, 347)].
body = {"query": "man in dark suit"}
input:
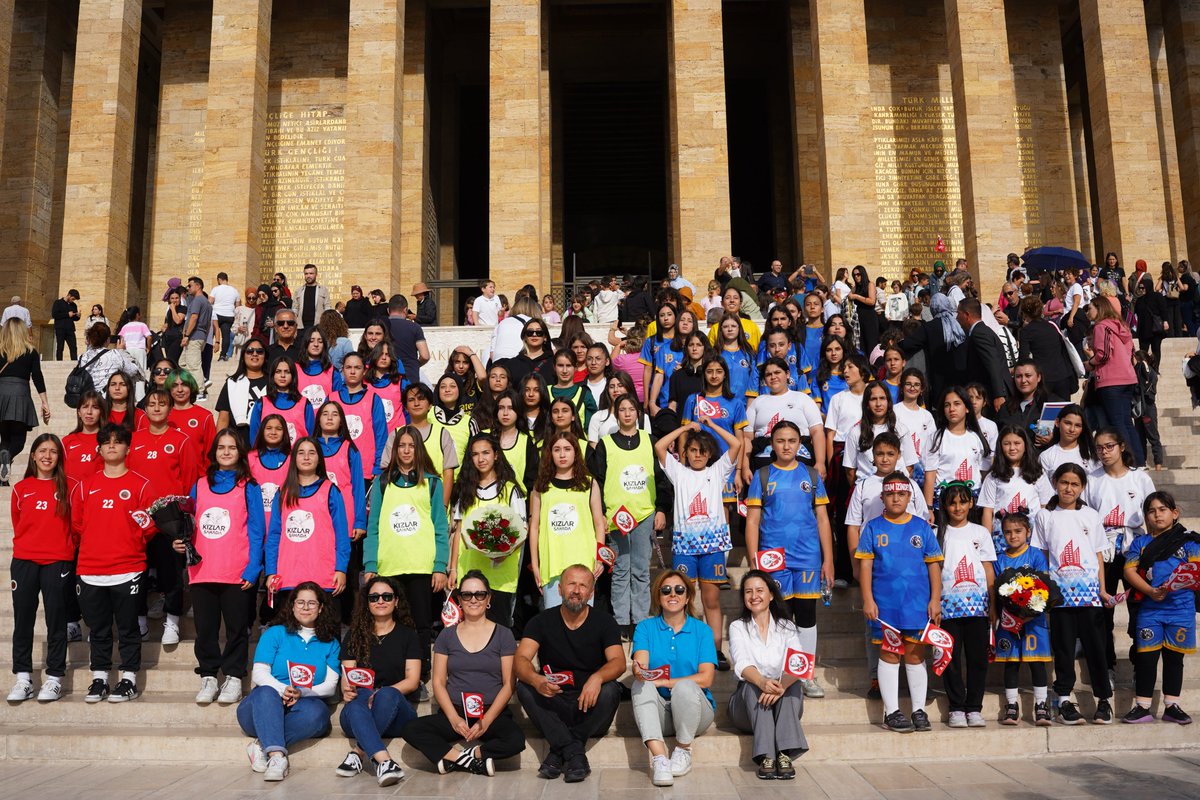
[(985, 355)]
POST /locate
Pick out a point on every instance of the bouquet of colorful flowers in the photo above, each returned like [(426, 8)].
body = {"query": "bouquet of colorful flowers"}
[(173, 516), (496, 533), (1024, 594)]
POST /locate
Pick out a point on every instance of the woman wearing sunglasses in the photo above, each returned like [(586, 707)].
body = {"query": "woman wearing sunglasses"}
[(472, 684), (246, 386), (682, 703), (537, 354), (381, 638)]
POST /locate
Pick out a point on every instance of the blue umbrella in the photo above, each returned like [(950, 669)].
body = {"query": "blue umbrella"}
[(1051, 258)]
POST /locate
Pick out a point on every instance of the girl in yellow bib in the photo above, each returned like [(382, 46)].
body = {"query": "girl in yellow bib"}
[(566, 516), (520, 449), (408, 536), (486, 481)]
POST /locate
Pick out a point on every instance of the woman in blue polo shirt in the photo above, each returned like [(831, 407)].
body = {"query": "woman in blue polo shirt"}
[(682, 703)]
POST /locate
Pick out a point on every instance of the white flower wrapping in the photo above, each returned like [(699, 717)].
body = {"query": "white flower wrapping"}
[(491, 516), (1007, 589)]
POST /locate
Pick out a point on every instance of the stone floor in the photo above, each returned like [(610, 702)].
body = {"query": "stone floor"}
[(1129, 776)]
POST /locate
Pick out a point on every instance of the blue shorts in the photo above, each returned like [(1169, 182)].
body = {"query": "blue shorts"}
[(1154, 634), (707, 567), (910, 634), (1032, 643), (804, 584), (728, 493)]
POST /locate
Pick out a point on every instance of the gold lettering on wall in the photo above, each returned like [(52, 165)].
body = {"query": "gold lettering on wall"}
[(916, 183), (304, 191), (1027, 158), (195, 204)]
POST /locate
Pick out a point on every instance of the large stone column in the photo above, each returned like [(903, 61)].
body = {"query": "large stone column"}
[(989, 166), (700, 222), (844, 139), (518, 249), (235, 123), (1181, 24), (1129, 181), (373, 146), (95, 247), (810, 214), (6, 35), (414, 155)]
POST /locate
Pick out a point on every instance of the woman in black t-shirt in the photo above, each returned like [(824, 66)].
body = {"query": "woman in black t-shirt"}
[(381, 638)]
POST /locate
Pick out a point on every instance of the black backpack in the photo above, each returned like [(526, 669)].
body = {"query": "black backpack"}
[(79, 380)]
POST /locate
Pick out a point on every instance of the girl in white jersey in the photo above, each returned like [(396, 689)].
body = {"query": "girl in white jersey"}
[(912, 412), (841, 413), (1016, 483), (979, 402), (1071, 442), (878, 416), (958, 452), (1117, 491)]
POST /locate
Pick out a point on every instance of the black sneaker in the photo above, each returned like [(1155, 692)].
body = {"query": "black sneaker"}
[(577, 769), (551, 768), (388, 773), (97, 691), (920, 721), (1173, 713), (722, 662), (1103, 715), (5, 467), (873, 693), (123, 691), (896, 721), (1041, 715), (351, 765), (1011, 714), (1068, 714), (1138, 715), (467, 762), (766, 769)]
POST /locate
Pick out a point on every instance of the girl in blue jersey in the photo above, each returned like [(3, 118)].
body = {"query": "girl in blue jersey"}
[(343, 463), (786, 507), (733, 346), (1166, 620), (716, 396), (809, 333), (778, 344), (665, 317), (1031, 644), (893, 367), (901, 579), (829, 381), (668, 360), (283, 398)]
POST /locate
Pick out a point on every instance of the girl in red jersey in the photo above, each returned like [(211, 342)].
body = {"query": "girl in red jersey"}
[(81, 453), (121, 410), (43, 563), (195, 421), (283, 398), (167, 457), (308, 538), (230, 529), (108, 514), (269, 459)]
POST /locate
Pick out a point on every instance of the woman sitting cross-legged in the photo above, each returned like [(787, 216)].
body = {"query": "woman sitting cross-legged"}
[(472, 684), (296, 667), (381, 639)]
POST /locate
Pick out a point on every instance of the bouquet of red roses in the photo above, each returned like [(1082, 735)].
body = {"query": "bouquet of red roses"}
[(496, 533)]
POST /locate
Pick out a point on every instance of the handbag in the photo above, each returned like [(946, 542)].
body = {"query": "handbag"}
[(1072, 355), (1172, 292)]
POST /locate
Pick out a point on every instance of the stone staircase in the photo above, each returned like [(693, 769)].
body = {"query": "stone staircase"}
[(165, 725)]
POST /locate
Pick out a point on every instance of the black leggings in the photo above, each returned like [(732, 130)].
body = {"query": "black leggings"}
[(12, 437), (1084, 624), (418, 590), (804, 611), (1147, 672), (1012, 673), (1114, 571), (433, 736)]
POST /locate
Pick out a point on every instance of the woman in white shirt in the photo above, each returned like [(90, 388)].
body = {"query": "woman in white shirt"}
[(135, 335), (604, 421), (767, 702)]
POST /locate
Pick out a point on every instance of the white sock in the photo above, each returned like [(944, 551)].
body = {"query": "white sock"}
[(52, 679), (1010, 695), (25, 676), (100, 675), (1039, 693), (129, 676), (1146, 703), (173, 618), (918, 684), (1064, 698), (889, 686), (808, 639)]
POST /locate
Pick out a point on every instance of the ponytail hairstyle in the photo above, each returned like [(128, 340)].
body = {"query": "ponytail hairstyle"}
[(951, 491), (1108, 430), (1063, 469), (260, 441), (1087, 448), (59, 475), (1029, 468), (1020, 518), (242, 468), (866, 435), (972, 422)]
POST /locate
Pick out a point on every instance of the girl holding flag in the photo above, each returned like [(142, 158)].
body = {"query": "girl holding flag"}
[(296, 667), (231, 528)]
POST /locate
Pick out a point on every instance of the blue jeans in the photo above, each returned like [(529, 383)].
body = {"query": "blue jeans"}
[(631, 573), (1116, 403), (262, 715), (387, 716)]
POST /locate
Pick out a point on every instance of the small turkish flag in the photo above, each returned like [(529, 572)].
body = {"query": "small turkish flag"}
[(651, 675), (1185, 576), (771, 560), (624, 520), (937, 637), (361, 677), (1118, 598), (606, 555), (1010, 622), (558, 678), (941, 659), (301, 675), (707, 408), (940, 246), (892, 642), (799, 664), (742, 508), (472, 705), (451, 613)]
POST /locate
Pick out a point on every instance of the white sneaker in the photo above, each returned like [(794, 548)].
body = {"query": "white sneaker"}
[(277, 767), (976, 720), (661, 765), (958, 719), (812, 688), (157, 608), (231, 691), (681, 762), (258, 759), (51, 691), (21, 691), (170, 632), (208, 690), (74, 632)]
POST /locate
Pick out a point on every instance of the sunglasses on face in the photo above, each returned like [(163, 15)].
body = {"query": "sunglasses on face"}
[(381, 597), (285, 323), (256, 352), (679, 589), (481, 596), (531, 334)]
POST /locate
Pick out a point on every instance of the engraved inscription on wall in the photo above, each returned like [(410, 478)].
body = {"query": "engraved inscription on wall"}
[(1027, 158), (916, 183), (304, 191)]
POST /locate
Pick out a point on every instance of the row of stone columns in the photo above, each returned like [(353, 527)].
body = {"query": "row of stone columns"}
[(383, 197)]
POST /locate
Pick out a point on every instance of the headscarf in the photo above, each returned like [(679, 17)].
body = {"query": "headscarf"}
[(943, 312)]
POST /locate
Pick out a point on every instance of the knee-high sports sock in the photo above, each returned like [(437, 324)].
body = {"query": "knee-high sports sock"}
[(808, 639), (918, 684), (889, 686)]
